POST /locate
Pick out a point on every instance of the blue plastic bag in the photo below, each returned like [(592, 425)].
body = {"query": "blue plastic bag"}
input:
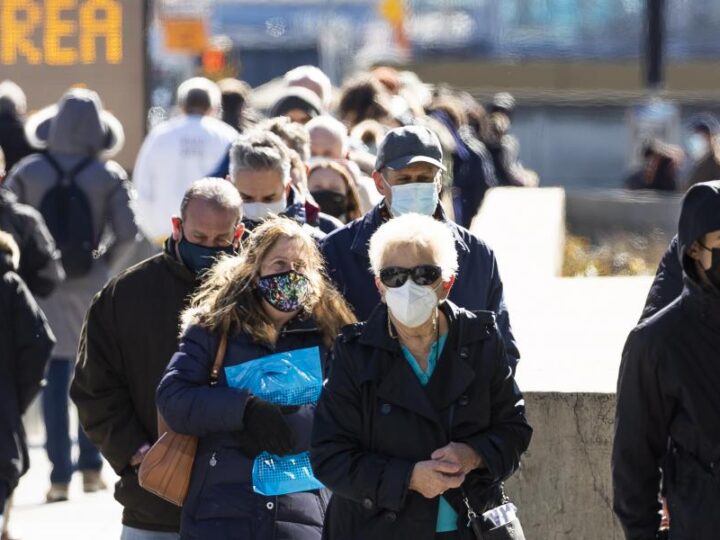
[(287, 378), (275, 475)]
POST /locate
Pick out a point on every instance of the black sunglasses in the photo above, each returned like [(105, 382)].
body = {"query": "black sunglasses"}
[(423, 274)]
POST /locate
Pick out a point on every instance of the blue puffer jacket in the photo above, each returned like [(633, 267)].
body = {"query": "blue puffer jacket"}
[(221, 503), (478, 286)]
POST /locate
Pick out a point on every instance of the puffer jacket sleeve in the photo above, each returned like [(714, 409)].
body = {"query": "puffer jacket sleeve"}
[(100, 388), (668, 283), (185, 399), (40, 265), (33, 343), (120, 213), (337, 454), (642, 422), (509, 435)]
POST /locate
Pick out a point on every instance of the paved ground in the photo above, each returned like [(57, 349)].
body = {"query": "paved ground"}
[(84, 517)]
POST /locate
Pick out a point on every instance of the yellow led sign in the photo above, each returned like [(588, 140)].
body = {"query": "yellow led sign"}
[(61, 32)]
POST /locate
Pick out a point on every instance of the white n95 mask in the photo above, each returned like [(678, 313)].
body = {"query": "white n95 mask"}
[(259, 211), (411, 304)]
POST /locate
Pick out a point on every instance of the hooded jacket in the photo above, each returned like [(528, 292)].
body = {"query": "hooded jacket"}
[(25, 344), (668, 283), (668, 404), (76, 134), (40, 266), (129, 336), (478, 285)]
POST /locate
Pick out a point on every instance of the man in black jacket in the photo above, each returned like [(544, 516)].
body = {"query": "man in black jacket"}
[(13, 106), (130, 334), (668, 404)]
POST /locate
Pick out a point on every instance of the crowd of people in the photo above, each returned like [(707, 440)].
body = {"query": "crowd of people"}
[(318, 318)]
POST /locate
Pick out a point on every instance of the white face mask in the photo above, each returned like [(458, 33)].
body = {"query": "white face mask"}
[(260, 211), (697, 146), (411, 304)]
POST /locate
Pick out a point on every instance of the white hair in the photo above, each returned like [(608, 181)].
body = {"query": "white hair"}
[(199, 85), (333, 126), (422, 232), (12, 98), (297, 75)]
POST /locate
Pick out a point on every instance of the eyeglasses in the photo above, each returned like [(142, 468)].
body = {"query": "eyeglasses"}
[(423, 274)]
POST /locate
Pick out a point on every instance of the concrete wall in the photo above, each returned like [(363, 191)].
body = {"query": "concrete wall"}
[(563, 489)]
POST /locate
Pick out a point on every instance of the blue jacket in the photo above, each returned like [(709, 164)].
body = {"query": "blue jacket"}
[(478, 285), (221, 503)]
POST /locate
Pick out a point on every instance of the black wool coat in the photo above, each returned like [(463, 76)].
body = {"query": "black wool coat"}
[(26, 342), (374, 421), (129, 336)]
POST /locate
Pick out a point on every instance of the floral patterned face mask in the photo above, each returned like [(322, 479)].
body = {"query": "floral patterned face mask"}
[(286, 291)]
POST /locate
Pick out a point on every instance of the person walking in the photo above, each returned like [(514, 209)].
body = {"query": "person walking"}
[(129, 336), (407, 173), (271, 305), (40, 266), (666, 423), (26, 342), (178, 152), (85, 202), (13, 107), (420, 420)]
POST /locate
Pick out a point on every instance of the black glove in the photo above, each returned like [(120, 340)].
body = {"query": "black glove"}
[(266, 429)]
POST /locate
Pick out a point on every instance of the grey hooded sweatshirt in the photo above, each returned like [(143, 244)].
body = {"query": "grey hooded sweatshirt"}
[(75, 134)]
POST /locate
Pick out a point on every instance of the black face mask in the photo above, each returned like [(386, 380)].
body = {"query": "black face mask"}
[(713, 273), (331, 202), (199, 258)]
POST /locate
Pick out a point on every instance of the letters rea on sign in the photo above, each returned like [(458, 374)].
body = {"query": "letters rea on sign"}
[(60, 32)]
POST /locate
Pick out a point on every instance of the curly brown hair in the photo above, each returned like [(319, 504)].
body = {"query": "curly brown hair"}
[(227, 302)]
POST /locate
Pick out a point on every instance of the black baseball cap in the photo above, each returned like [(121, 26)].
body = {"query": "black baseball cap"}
[(404, 146)]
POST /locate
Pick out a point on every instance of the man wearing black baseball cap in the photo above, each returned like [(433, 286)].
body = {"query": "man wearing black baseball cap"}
[(407, 173)]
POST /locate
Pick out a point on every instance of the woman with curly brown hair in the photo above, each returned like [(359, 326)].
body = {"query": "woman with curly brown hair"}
[(272, 306)]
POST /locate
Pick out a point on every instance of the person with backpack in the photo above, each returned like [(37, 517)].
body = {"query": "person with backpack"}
[(85, 202)]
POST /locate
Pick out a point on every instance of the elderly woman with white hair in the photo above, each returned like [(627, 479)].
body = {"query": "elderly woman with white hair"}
[(420, 419)]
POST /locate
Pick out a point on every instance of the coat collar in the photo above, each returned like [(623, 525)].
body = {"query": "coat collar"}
[(453, 374), (370, 222), (702, 302), (176, 266)]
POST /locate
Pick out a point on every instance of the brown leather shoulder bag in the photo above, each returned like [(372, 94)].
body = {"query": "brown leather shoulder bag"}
[(166, 468)]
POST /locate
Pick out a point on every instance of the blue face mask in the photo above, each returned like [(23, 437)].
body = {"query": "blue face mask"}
[(199, 258), (418, 197)]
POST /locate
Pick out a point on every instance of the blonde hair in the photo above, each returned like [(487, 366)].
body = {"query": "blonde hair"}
[(228, 303), (419, 231), (8, 245)]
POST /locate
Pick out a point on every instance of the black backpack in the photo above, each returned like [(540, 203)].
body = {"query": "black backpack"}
[(69, 218)]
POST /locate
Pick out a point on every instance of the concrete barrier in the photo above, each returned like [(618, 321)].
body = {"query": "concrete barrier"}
[(571, 332)]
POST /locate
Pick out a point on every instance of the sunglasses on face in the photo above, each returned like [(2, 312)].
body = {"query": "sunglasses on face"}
[(423, 274)]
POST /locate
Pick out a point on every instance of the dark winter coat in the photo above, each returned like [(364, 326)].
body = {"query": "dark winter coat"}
[(130, 334), (40, 266), (668, 283), (668, 398), (374, 421), (25, 345), (13, 140), (478, 285), (221, 503)]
